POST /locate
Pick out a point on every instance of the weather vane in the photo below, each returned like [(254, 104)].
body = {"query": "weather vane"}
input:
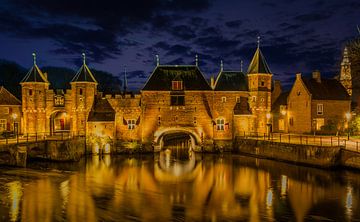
[(258, 41), (157, 60), (84, 58), (34, 57)]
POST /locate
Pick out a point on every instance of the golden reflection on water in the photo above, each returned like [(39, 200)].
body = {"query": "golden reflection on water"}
[(160, 189)]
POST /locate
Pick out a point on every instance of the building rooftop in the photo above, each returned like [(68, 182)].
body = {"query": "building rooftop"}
[(231, 81), (101, 111), (281, 100), (84, 75), (163, 75), (258, 64), (34, 75), (6, 98), (242, 107), (326, 89)]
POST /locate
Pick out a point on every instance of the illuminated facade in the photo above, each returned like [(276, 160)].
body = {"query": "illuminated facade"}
[(176, 99)]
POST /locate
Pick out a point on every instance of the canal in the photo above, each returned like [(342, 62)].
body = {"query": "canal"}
[(163, 187)]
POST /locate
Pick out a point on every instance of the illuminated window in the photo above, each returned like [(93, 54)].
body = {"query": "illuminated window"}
[(320, 109), (220, 124), (253, 99), (131, 124), (320, 122), (177, 100), (177, 85), (2, 125), (281, 124), (223, 99)]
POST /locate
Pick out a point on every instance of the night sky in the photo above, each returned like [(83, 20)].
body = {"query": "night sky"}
[(296, 36)]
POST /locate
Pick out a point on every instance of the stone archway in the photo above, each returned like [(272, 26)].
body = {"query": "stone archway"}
[(168, 134), (59, 122)]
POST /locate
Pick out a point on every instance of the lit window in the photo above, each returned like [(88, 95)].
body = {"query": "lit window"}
[(131, 124), (253, 99), (281, 124), (320, 109), (220, 124), (223, 99), (320, 122), (177, 85), (2, 125)]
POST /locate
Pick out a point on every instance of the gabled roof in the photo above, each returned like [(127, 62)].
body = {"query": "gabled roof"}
[(326, 89), (281, 100), (258, 64), (84, 75), (34, 75), (101, 111), (231, 81), (6, 98), (163, 75), (242, 107)]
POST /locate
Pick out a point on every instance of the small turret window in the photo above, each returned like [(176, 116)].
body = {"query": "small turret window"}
[(262, 83), (177, 85), (30, 92), (81, 92)]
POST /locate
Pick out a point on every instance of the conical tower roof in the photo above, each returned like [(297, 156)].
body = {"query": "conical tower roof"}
[(34, 75), (258, 64), (84, 74)]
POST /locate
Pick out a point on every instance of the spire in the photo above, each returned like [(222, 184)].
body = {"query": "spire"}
[(241, 65), (84, 74), (84, 58), (196, 60), (258, 41), (34, 58), (34, 74), (157, 60), (345, 60), (221, 66), (125, 81), (258, 63)]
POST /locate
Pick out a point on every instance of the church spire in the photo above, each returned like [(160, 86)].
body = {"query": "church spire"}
[(125, 81)]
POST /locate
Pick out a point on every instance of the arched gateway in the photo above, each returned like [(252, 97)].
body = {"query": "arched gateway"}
[(166, 136)]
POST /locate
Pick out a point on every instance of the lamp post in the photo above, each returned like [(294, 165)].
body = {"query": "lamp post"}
[(348, 117), (268, 116)]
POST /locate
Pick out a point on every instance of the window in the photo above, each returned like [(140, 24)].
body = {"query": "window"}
[(291, 121), (80, 92), (177, 100), (262, 83), (194, 120), (177, 85), (283, 110), (237, 99), (223, 99), (2, 125), (281, 124), (320, 109), (5, 110), (220, 124), (131, 124), (30, 92), (253, 99)]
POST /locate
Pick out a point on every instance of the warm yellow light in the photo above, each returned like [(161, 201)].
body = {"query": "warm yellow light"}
[(348, 116), (268, 115), (14, 116), (96, 148), (283, 112), (107, 148)]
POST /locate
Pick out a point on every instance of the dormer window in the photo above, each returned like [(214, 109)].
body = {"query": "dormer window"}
[(177, 85)]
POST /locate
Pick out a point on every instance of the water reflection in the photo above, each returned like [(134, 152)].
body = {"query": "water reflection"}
[(164, 187)]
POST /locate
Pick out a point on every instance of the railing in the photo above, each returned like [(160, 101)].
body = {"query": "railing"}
[(319, 140), (39, 136)]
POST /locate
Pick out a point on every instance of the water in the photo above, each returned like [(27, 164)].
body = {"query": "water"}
[(165, 188)]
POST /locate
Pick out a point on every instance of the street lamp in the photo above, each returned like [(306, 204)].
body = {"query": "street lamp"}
[(268, 116), (348, 116)]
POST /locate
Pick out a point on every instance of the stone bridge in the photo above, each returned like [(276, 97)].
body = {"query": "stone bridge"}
[(349, 158)]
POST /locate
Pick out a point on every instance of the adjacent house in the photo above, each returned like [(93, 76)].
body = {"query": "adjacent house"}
[(10, 112), (316, 104)]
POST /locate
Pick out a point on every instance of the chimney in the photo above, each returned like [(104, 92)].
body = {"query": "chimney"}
[(317, 76)]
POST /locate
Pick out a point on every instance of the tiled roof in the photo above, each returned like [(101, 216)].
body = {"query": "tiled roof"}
[(34, 75), (84, 75), (101, 111), (231, 81), (6, 98), (242, 107), (162, 77), (258, 64), (281, 100), (326, 89)]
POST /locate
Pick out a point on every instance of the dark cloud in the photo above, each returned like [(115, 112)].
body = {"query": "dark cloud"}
[(313, 17), (234, 24)]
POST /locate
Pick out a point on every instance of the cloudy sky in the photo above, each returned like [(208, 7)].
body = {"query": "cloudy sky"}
[(296, 36)]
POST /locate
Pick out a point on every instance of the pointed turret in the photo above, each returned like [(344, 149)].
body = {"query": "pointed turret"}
[(258, 64), (125, 82), (84, 74), (34, 74)]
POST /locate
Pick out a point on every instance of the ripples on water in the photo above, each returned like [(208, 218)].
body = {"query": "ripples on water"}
[(164, 188)]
